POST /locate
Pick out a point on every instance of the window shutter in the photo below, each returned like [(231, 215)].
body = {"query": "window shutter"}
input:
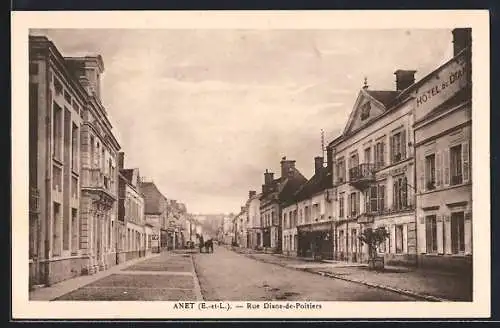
[(421, 169), (403, 144), (437, 165), (404, 192), (440, 234), (393, 239), (428, 234), (384, 154), (446, 167), (465, 162)]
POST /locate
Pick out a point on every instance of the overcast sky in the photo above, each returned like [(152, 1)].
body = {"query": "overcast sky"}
[(204, 112)]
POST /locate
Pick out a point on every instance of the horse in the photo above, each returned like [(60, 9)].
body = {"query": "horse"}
[(209, 245)]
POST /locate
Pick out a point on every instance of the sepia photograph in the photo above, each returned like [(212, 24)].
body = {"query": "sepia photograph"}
[(253, 169)]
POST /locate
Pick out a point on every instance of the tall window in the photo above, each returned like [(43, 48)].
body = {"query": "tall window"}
[(341, 171), (431, 234), (294, 218), (354, 160), (354, 204), (74, 147), (381, 197), (398, 147), (380, 154), (430, 172), (56, 230), (368, 155), (456, 165), (341, 205), (399, 238), (57, 132), (66, 227), (457, 233), (285, 218), (400, 193), (74, 230)]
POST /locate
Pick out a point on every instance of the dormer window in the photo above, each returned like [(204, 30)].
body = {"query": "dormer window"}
[(365, 111)]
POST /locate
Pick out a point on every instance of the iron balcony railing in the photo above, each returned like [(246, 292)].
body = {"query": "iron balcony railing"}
[(363, 171)]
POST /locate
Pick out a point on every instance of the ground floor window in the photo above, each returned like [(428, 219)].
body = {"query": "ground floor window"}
[(341, 240), (399, 238), (457, 233), (382, 248), (431, 234), (354, 241), (56, 230)]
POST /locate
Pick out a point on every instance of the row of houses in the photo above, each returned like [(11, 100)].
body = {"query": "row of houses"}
[(403, 162), (87, 212)]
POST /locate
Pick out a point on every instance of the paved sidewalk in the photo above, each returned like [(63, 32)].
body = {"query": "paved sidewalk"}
[(66, 286), (424, 284)]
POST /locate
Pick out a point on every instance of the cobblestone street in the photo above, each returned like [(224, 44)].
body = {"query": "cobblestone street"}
[(168, 277)]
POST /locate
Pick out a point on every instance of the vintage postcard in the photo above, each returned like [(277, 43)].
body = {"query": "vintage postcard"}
[(267, 164)]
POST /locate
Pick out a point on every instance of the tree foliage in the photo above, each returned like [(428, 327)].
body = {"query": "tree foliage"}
[(373, 238)]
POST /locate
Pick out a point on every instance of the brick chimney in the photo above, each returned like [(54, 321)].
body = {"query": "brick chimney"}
[(268, 177), (404, 78), (121, 160), (318, 164), (462, 38), (251, 193), (287, 167), (87, 70)]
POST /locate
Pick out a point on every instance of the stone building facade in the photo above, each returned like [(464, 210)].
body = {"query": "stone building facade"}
[(443, 135), (74, 172)]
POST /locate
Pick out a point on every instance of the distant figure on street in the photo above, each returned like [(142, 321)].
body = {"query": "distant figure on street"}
[(209, 245), (202, 243)]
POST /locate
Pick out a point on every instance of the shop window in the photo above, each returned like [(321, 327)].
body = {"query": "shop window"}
[(431, 234), (457, 233)]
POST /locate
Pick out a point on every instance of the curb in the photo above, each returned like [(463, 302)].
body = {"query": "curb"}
[(197, 287), (405, 292)]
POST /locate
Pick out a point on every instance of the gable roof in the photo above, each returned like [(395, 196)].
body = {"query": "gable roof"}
[(386, 97), (153, 198), (319, 181)]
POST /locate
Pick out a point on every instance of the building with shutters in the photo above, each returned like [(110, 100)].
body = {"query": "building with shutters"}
[(373, 169), (133, 239), (308, 219), (276, 194), (443, 119), (254, 227), (155, 214)]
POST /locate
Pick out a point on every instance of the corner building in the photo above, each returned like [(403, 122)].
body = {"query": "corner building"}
[(443, 135), (73, 176)]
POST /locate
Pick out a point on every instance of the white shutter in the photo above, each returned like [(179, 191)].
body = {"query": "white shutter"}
[(468, 232), (421, 239), (446, 167), (465, 162), (439, 234), (405, 238), (391, 150), (438, 169), (421, 174)]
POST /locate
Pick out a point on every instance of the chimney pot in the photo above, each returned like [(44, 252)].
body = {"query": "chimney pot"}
[(404, 78), (287, 167)]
